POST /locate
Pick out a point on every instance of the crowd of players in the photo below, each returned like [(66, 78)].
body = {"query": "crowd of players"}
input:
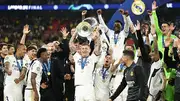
[(107, 67)]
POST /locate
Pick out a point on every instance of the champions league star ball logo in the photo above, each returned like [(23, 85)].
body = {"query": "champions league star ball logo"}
[(138, 7)]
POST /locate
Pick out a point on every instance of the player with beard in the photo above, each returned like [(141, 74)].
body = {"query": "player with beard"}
[(15, 70)]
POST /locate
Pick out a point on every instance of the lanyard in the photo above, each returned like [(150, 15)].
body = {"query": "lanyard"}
[(104, 72), (83, 62), (19, 65), (46, 67), (116, 38)]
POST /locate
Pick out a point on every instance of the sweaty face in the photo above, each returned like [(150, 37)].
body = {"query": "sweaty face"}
[(4, 50), (108, 60), (165, 28), (11, 50), (117, 26), (85, 50)]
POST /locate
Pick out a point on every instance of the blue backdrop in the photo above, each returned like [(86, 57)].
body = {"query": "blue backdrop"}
[(127, 6)]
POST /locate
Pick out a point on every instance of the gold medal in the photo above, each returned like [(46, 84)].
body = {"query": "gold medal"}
[(82, 71), (104, 80), (48, 73), (132, 74)]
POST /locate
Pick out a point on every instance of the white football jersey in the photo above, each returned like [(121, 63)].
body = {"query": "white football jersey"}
[(14, 67), (36, 68), (84, 76)]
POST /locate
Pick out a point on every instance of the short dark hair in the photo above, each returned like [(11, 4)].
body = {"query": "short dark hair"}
[(19, 45), (118, 21), (166, 22), (9, 46), (31, 47), (40, 51), (2, 44), (129, 53)]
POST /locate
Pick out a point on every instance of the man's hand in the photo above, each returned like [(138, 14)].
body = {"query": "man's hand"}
[(121, 11), (99, 11), (44, 86), (149, 12), (84, 12), (138, 26), (67, 77), (36, 96), (64, 32), (26, 29), (16, 81), (154, 5)]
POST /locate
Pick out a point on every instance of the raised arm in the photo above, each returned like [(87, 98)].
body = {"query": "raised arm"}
[(84, 14), (97, 45), (155, 18), (101, 21), (144, 53), (153, 32), (127, 21), (71, 43), (25, 32)]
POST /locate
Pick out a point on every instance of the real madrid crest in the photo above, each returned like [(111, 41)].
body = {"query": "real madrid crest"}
[(138, 7)]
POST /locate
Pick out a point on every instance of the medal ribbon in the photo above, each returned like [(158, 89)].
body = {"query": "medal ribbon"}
[(116, 38), (83, 62), (19, 65), (104, 72)]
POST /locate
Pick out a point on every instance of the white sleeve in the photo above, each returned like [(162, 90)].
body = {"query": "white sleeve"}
[(36, 68), (126, 25), (7, 59), (101, 21), (76, 56)]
